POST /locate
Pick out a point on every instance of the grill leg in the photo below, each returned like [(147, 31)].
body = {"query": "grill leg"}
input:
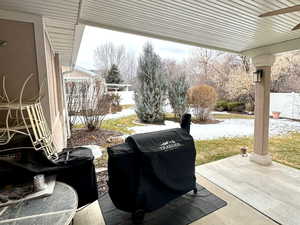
[(138, 217), (195, 190)]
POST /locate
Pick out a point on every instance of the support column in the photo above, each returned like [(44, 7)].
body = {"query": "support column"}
[(262, 111)]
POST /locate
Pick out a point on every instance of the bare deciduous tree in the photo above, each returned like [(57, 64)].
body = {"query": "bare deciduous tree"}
[(96, 104), (286, 73), (89, 101), (214, 68), (74, 101), (245, 62), (240, 87), (202, 61), (108, 54)]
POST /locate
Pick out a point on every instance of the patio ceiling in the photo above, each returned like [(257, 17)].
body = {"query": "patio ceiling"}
[(60, 17), (225, 25)]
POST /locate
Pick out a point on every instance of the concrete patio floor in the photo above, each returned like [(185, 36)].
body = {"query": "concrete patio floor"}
[(273, 190), (235, 213)]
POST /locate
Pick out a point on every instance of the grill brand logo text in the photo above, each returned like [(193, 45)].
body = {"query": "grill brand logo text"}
[(169, 145)]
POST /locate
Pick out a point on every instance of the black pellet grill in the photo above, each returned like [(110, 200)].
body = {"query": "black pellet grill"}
[(151, 169)]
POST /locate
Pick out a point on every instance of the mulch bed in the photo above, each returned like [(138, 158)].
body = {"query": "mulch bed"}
[(100, 137), (82, 136)]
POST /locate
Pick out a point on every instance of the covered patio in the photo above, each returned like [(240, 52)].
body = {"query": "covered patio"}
[(233, 214), (257, 190)]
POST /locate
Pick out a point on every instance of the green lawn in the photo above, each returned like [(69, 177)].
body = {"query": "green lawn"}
[(232, 116), (211, 150), (120, 124), (285, 149)]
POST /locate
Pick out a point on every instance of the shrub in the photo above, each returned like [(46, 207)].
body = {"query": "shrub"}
[(89, 101), (221, 105), (73, 101), (248, 101), (202, 99), (235, 106), (224, 105), (115, 103), (151, 87), (95, 104), (177, 91), (249, 106)]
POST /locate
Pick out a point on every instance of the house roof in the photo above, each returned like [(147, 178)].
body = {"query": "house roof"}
[(225, 25), (78, 73), (84, 70)]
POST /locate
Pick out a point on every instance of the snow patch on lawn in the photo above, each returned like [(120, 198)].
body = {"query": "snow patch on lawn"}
[(131, 111), (228, 128), (123, 113)]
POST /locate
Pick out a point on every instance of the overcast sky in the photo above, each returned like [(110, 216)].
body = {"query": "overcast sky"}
[(93, 37)]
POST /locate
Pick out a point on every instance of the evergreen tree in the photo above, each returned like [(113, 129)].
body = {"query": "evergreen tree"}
[(113, 75), (151, 86), (177, 92)]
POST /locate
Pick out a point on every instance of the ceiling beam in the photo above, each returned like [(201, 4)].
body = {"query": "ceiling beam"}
[(76, 42), (284, 46)]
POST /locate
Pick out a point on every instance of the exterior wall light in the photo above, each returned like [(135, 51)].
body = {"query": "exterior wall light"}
[(257, 76), (3, 43)]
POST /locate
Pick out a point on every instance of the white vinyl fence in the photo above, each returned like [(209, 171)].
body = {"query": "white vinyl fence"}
[(288, 104), (127, 97), (124, 91)]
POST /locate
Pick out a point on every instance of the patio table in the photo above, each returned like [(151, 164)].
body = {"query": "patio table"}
[(56, 209)]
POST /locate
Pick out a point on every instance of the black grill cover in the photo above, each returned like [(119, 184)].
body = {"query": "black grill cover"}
[(151, 169)]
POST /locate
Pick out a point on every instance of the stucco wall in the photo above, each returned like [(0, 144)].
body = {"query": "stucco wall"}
[(18, 59)]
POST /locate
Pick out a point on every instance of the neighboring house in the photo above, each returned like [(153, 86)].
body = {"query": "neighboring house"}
[(78, 74)]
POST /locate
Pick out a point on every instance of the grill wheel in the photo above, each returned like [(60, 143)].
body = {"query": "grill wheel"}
[(138, 217)]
